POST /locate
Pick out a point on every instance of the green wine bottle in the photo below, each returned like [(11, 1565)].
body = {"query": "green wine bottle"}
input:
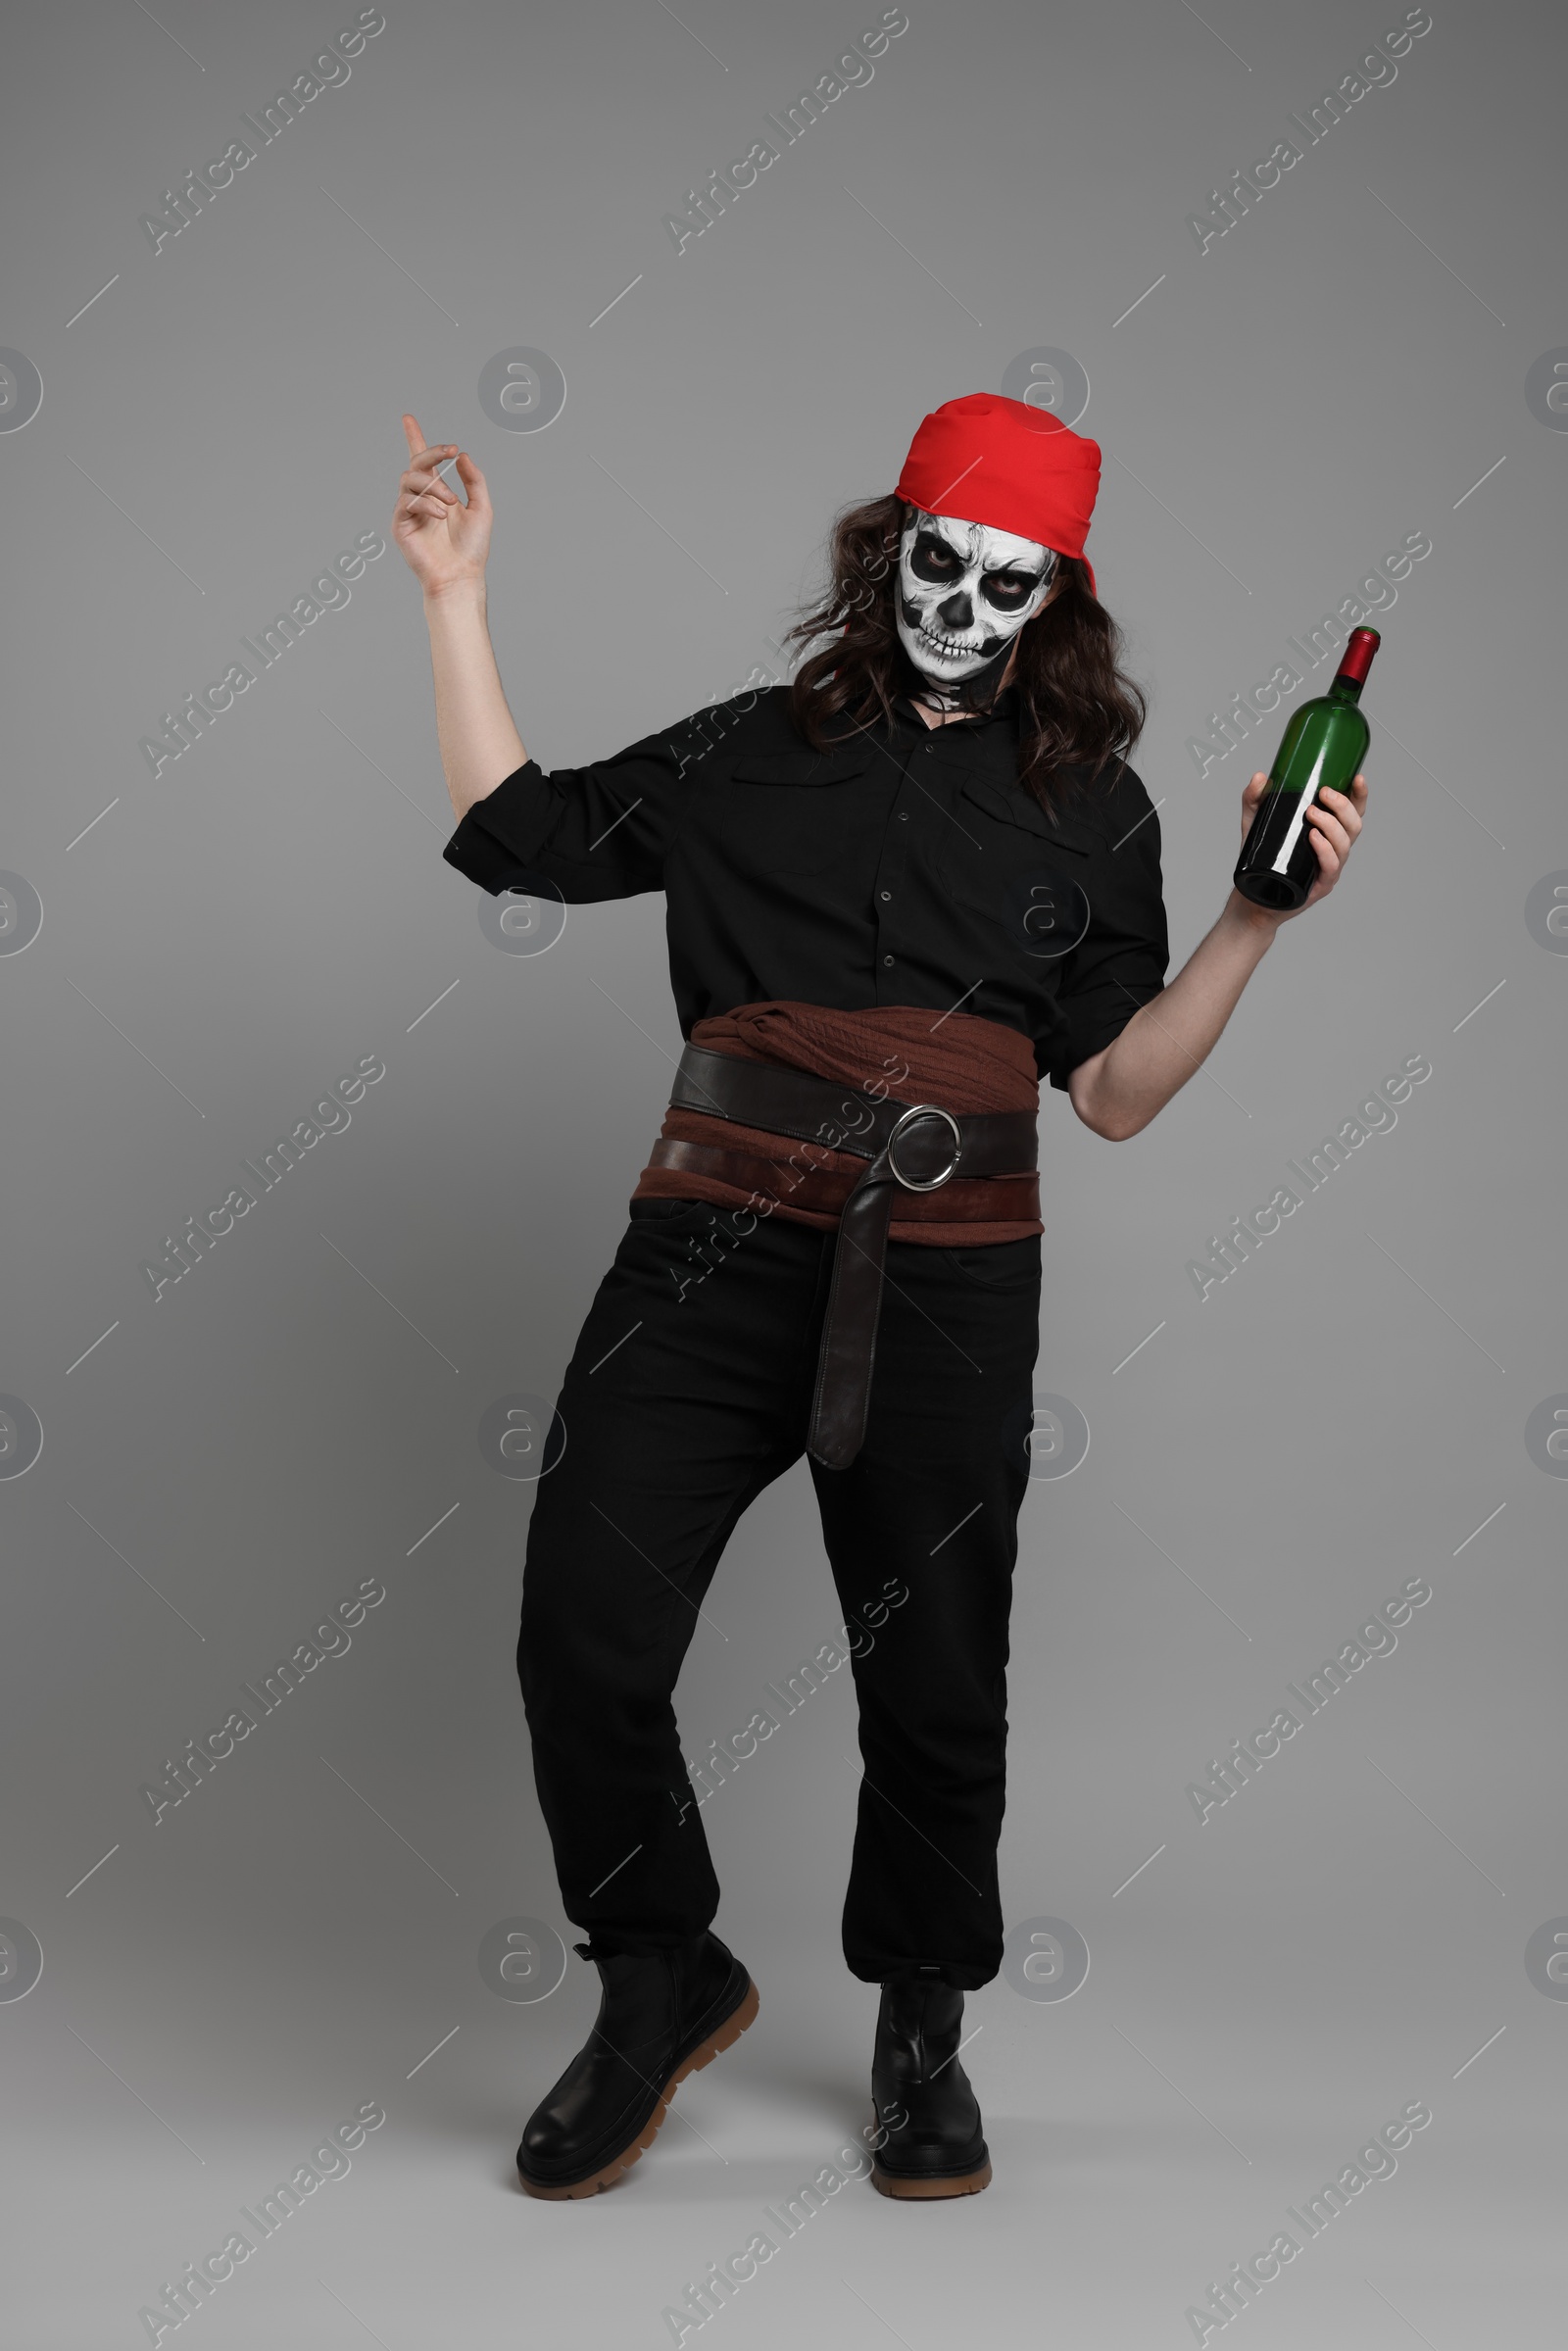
[(1323, 745)]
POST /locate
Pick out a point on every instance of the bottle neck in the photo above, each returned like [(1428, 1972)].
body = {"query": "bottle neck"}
[(1354, 662)]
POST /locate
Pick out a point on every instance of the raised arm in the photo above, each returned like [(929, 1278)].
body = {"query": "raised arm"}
[(1119, 1091), (445, 544)]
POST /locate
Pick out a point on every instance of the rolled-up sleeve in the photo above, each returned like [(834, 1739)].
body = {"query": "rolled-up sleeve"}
[(1122, 959), (597, 832)]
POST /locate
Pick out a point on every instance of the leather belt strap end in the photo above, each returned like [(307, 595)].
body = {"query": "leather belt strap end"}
[(911, 1147)]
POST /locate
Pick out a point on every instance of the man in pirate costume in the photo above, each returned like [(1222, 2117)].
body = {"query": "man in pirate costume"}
[(899, 891)]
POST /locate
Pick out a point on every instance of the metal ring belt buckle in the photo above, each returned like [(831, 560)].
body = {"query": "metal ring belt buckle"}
[(927, 1183)]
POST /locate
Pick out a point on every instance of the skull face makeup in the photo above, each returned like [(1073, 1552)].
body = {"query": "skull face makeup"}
[(964, 592)]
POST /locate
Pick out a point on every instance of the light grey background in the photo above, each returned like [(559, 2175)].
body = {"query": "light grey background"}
[(1342, 1414)]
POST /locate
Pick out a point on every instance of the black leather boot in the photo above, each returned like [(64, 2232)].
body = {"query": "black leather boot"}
[(661, 2016), (928, 2117)]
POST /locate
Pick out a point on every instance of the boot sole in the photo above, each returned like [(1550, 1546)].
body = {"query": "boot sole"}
[(723, 2037), (889, 2184)]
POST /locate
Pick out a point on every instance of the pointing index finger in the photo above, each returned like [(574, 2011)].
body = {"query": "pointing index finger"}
[(419, 447)]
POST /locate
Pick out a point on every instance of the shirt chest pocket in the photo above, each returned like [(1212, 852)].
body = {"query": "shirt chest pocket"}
[(1026, 871), (783, 813)]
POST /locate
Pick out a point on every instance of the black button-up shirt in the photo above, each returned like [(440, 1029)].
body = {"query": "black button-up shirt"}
[(905, 865)]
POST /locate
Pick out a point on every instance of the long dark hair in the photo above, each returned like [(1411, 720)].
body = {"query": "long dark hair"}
[(1078, 708)]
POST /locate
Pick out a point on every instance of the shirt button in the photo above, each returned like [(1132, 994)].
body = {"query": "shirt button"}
[(887, 959), (904, 815), (885, 896)]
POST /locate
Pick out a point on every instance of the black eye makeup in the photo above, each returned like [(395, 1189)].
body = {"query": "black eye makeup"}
[(1010, 590), (932, 558)]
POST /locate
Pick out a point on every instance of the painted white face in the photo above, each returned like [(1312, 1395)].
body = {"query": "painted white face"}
[(964, 592)]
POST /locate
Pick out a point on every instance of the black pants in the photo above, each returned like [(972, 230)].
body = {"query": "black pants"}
[(688, 1394)]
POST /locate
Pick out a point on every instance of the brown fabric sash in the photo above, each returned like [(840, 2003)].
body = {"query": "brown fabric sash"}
[(902, 1050), (823, 1192), (777, 1079)]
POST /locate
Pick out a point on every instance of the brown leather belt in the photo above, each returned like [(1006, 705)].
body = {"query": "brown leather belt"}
[(911, 1148)]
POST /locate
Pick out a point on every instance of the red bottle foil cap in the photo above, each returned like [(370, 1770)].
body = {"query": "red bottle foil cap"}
[(1356, 658)]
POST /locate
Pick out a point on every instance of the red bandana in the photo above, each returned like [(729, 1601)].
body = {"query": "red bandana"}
[(1008, 466)]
